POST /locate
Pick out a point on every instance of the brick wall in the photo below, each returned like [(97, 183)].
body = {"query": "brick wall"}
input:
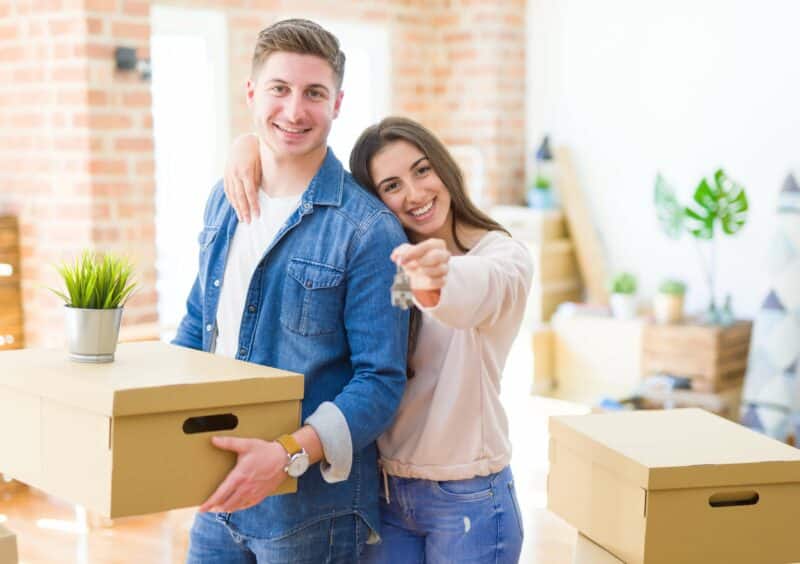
[(76, 147)]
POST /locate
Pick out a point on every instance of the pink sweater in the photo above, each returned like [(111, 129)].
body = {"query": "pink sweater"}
[(450, 424)]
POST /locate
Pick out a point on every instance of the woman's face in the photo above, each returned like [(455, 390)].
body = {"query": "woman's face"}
[(409, 186)]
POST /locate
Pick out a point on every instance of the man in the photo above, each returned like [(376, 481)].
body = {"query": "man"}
[(304, 287)]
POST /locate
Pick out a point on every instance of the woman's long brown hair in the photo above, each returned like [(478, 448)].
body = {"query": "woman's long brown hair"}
[(392, 129)]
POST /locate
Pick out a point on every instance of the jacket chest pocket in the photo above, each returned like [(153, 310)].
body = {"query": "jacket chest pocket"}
[(313, 298)]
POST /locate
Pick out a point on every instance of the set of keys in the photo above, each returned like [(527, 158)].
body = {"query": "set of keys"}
[(401, 290)]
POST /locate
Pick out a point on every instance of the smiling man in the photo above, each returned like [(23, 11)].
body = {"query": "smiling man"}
[(303, 287)]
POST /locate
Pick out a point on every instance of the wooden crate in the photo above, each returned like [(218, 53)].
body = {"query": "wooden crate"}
[(714, 357), (11, 326)]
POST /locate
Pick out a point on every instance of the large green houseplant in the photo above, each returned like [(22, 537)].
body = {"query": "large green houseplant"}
[(718, 207), (95, 291)]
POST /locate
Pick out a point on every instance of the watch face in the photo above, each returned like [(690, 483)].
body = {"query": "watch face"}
[(298, 465)]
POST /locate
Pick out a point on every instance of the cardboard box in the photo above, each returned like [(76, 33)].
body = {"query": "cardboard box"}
[(682, 485), (587, 552), (542, 344), (530, 224), (8, 546), (554, 262), (133, 436)]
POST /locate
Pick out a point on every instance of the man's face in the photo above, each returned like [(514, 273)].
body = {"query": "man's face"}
[(294, 101)]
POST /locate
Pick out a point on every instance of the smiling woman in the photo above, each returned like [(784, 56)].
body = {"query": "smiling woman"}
[(446, 455)]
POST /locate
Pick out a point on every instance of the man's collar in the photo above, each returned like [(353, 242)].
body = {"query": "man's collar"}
[(327, 186)]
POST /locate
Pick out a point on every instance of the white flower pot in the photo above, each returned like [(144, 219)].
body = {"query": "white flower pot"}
[(668, 308), (623, 306), (92, 334)]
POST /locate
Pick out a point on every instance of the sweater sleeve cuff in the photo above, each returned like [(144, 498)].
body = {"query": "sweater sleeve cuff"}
[(334, 434)]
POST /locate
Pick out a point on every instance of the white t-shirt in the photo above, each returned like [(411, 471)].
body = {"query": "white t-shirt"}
[(247, 248)]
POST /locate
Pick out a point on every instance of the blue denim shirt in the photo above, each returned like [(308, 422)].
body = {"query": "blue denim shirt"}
[(318, 304)]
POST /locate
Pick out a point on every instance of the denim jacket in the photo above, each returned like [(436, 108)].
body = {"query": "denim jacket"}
[(318, 304)]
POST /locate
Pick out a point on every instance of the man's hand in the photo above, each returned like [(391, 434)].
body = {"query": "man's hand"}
[(258, 473), (426, 264), (243, 177)]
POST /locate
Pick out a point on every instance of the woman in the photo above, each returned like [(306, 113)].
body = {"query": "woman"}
[(449, 492)]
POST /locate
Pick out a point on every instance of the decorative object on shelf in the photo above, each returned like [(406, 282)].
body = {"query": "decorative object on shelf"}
[(772, 386), (96, 291), (623, 295), (718, 205), (541, 192), (668, 302)]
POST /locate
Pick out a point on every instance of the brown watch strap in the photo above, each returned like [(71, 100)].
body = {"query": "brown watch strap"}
[(289, 443)]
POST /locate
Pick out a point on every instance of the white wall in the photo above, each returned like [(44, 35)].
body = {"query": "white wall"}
[(687, 86)]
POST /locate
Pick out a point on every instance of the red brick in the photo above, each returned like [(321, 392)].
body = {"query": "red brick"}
[(102, 121), (105, 234), (98, 98), (72, 97), (9, 32), (99, 51), (95, 26), (136, 8), (100, 211), (66, 27), (127, 30), (70, 74), (107, 6), (146, 168), (105, 166), (137, 99), (134, 144), (33, 75), (29, 121)]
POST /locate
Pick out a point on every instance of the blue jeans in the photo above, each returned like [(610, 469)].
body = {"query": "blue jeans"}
[(214, 540), (476, 520)]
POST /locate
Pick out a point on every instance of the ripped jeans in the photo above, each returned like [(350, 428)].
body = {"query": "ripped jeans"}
[(466, 521)]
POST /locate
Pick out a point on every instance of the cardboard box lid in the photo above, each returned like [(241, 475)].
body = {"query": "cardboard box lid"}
[(677, 448), (147, 377)]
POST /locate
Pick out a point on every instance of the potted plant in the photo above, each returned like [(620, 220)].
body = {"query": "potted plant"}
[(720, 205), (540, 193), (96, 291), (623, 295), (668, 302)]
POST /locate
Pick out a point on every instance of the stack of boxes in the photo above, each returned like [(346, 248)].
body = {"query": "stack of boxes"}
[(556, 278), (674, 486), (11, 332)]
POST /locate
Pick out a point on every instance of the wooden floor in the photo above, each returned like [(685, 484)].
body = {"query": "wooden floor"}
[(52, 531)]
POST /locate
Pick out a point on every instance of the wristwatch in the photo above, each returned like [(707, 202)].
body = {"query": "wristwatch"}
[(298, 457)]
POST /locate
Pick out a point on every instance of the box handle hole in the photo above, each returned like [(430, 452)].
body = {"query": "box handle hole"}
[(210, 423), (732, 499)]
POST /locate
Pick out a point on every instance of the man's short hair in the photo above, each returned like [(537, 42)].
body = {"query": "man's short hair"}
[(299, 36)]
